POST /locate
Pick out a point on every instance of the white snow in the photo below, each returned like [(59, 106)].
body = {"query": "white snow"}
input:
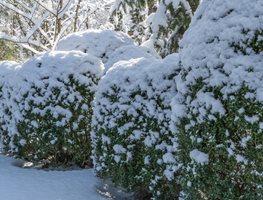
[(31, 184), (252, 119), (199, 157), (129, 52), (137, 81), (96, 42), (119, 149), (241, 158)]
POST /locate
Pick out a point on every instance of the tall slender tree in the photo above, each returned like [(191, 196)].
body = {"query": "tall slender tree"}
[(159, 24)]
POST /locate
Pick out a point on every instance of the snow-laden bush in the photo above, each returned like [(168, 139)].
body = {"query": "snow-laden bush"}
[(218, 110), (8, 71), (52, 105), (100, 43), (129, 52), (131, 140)]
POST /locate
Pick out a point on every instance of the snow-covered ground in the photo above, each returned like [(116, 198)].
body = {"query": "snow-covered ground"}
[(18, 183)]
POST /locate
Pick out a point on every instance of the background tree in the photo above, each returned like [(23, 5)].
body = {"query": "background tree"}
[(38, 25), (7, 49), (130, 17), (158, 24)]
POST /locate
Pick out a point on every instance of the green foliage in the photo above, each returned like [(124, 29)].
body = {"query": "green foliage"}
[(6, 118), (4, 133), (40, 137), (234, 146), (46, 117), (8, 50), (178, 20)]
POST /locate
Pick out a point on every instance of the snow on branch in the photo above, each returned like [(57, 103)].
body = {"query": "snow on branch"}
[(37, 25)]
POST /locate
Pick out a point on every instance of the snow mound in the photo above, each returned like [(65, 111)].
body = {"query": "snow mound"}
[(129, 52), (100, 43), (61, 63), (7, 66)]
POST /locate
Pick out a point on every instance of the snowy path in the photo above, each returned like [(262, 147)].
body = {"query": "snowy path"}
[(31, 184)]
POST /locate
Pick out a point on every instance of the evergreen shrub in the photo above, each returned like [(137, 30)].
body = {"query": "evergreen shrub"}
[(131, 140), (220, 99), (51, 102)]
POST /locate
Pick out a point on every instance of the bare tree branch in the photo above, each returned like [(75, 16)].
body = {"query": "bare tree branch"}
[(39, 25)]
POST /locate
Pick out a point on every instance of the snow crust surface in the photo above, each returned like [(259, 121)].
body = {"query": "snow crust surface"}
[(31, 184), (130, 52)]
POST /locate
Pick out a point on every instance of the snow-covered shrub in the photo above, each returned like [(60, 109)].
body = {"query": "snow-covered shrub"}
[(129, 52), (100, 43), (53, 100), (218, 110), (8, 71), (131, 140)]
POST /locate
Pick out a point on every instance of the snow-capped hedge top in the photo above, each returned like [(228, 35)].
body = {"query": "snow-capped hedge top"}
[(37, 78), (220, 39), (100, 43), (6, 68), (7, 65), (130, 52), (52, 70), (219, 49), (59, 64), (136, 75)]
